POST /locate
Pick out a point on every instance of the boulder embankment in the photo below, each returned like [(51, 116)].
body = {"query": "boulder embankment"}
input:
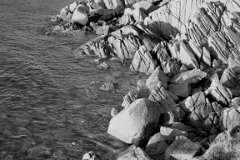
[(189, 107)]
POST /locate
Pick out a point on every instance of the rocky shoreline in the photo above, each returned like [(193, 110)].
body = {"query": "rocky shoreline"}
[(189, 107)]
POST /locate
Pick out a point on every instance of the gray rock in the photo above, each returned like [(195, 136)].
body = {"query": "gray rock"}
[(182, 90), (156, 146), (157, 76), (90, 156), (143, 61), (114, 112), (229, 79), (109, 84), (114, 4), (80, 14), (181, 148), (136, 123), (160, 95), (192, 77), (169, 134), (133, 153)]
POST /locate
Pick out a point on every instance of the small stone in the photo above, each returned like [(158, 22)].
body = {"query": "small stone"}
[(114, 112), (103, 66)]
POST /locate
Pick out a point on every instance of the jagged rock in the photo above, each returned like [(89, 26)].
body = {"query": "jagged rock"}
[(170, 117), (139, 15), (141, 83), (218, 92), (231, 119), (147, 7), (126, 46), (90, 156), (160, 95), (182, 90), (174, 20), (200, 113), (132, 96), (183, 68), (156, 146), (108, 14), (192, 77), (202, 54), (186, 56), (102, 30), (229, 79), (136, 123), (169, 134), (143, 61), (80, 14), (126, 19), (181, 148), (157, 76), (114, 4), (133, 153), (94, 7), (236, 101), (129, 3), (234, 64), (101, 3), (126, 30)]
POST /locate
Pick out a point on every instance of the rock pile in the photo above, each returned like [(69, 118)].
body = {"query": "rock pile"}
[(191, 51)]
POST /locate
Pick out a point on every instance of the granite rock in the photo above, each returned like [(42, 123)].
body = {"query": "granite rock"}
[(136, 123)]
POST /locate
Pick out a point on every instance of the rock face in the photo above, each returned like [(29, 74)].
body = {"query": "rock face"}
[(143, 61), (134, 152), (135, 123), (181, 148)]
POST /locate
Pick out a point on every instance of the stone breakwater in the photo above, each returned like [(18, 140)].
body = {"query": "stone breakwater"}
[(189, 107)]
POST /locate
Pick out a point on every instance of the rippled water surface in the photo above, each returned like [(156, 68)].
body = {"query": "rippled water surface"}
[(47, 102)]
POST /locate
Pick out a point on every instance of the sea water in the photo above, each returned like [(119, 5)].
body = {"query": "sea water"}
[(50, 100)]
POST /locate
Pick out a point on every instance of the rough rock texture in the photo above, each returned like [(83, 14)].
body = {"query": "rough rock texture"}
[(229, 79), (181, 90), (191, 76), (136, 123), (160, 95), (169, 134), (133, 153), (231, 119), (181, 148), (200, 113), (114, 4), (157, 76), (218, 92), (143, 61), (156, 146)]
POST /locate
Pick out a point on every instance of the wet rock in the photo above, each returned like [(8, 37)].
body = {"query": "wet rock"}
[(160, 95), (133, 152), (90, 156), (38, 151), (191, 77), (181, 148), (182, 90), (114, 112), (156, 146), (80, 14), (103, 66), (143, 61), (157, 76), (169, 134), (231, 119), (109, 84), (136, 123)]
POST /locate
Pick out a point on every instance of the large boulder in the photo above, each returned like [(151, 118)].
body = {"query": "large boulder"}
[(133, 153), (80, 14), (181, 148), (136, 123)]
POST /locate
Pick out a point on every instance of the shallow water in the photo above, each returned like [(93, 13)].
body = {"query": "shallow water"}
[(46, 96)]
